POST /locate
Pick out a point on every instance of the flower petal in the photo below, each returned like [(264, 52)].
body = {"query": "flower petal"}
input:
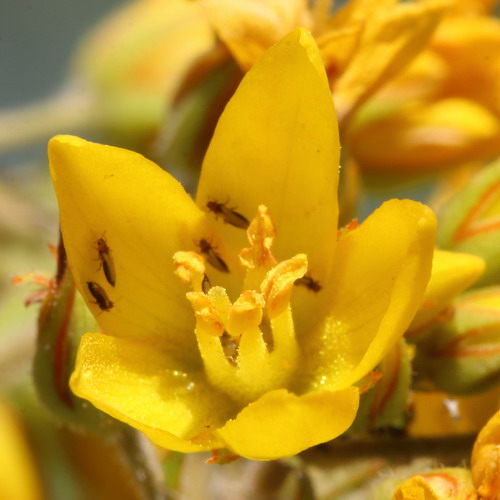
[(144, 387), (281, 424), (144, 216), (249, 27), (424, 137), (381, 272), (391, 39), (277, 144)]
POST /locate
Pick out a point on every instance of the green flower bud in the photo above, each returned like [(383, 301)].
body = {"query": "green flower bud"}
[(63, 319), (462, 355), (470, 222), (385, 406)]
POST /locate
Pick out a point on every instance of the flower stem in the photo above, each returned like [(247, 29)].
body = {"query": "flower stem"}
[(140, 457), (70, 109)]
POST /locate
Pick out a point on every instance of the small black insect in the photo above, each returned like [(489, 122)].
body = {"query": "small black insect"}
[(205, 284), (309, 283), (229, 215), (100, 296), (213, 258), (106, 260)]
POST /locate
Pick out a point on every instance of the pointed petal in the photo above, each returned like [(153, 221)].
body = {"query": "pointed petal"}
[(249, 27), (144, 216), (281, 424), (277, 144), (391, 39), (147, 389), (381, 272)]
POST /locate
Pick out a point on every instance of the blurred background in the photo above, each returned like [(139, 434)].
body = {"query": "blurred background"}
[(36, 42)]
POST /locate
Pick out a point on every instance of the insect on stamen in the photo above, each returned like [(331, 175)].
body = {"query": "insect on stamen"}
[(106, 261), (229, 215), (213, 258), (309, 283), (205, 284), (100, 296)]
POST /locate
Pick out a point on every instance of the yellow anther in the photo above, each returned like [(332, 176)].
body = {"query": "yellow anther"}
[(278, 283), (208, 319), (246, 313), (261, 234), (190, 268)]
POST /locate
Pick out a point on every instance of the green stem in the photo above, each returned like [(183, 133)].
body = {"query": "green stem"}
[(140, 458), (66, 111)]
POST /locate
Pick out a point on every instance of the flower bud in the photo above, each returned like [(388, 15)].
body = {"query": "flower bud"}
[(462, 355), (63, 319), (452, 273), (469, 222), (485, 461), (423, 136), (137, 59), (438, 484), (385, 406)]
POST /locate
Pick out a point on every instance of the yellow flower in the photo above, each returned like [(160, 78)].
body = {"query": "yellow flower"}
[(485, 460), (434, 114), (19, 479), (208, 344), (438, 484), (363, 44)]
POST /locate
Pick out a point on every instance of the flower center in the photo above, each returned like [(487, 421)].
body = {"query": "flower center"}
[(248, 347)]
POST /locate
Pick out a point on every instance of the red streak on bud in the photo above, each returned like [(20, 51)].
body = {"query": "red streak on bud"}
[(221, 457), (374, 377), (391, 379), (469, 227), (61, 352), (443, 316), (455, 349)]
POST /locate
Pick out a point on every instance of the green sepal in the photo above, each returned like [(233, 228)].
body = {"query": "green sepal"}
[(63, 319), (384, 407), (470, 222), (462, 355)]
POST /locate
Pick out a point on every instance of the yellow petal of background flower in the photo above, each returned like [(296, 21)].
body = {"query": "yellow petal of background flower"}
[(452, 273), (249, 27), (426, 136), (391, 39), (281, 424), (471, 46), (139, 384), (145, 216), (381, 272), (19, 478), (277, 144)]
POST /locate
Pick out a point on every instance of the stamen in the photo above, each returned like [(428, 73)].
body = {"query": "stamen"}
[(211, 310), (246, 313), (190, 268), (278, 283), (261, 234)]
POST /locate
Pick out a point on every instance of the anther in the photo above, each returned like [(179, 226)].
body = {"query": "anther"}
[(261, 234), (278, 283)]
